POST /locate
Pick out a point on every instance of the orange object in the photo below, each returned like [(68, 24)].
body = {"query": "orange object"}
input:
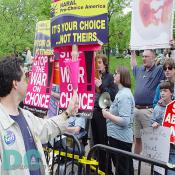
[(56, 73)]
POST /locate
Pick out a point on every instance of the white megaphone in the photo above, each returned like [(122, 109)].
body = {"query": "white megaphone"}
[(105, 100)]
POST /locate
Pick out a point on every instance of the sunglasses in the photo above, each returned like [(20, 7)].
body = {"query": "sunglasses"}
[(167, 68)]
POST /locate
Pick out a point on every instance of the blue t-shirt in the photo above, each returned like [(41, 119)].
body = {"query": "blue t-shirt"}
[(146, 83), (31, 151)]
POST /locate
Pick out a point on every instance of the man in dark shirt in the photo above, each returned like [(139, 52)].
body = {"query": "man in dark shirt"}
[(147, 78)]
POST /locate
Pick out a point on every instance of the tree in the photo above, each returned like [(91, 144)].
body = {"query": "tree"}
[(119, 31), (18, 19), (119, 24)]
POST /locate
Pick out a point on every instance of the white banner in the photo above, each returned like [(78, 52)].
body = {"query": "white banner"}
[(156, 145), (152, 24)]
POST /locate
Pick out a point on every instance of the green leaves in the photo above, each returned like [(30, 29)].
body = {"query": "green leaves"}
[(18, 20), (119, 24)]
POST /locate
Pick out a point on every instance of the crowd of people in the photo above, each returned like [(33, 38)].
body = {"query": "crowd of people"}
[(129, 114), (119, 126)]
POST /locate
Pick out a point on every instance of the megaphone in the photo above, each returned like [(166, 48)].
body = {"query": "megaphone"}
[(105, 100)]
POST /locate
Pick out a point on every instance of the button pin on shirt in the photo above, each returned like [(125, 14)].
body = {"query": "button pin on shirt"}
[(144, 76)]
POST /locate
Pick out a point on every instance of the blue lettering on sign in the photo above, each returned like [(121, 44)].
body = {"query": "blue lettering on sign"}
[(9, 138)]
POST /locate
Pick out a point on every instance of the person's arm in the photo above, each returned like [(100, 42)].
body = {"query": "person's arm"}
[(172, 48), (124, 108), (115, 119), (48, 129), (155, 125), (73, 130), (109, 86), (55, 94), (154, 122), (156, 96), (153, 117), (157, 117), (133, 61)]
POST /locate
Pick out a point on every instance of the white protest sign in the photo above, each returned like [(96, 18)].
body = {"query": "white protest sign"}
[(152, 141), (152, 24)]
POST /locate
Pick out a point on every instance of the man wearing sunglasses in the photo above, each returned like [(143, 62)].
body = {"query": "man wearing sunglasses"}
[(169, 71), (147, 78)]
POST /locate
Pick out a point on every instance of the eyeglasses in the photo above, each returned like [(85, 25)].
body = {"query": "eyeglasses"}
[(167, 68)]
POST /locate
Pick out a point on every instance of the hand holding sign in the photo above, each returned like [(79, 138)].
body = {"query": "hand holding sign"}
[(72, 109)]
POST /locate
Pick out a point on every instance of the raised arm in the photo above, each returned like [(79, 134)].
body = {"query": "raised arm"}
[(133, 61)]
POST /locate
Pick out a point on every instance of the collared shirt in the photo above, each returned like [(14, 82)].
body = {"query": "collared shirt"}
[(42, 131), (122, 106), (76, 121), (146, 83)]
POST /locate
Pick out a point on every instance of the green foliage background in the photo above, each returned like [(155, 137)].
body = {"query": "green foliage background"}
[(18, 20), (114, 62), (19, 17)]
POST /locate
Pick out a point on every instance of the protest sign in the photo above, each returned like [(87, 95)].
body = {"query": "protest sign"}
[(86, 87), (152, 24), (40, 84), (152, 141), (79, 22), (169, 120), (42, 44)]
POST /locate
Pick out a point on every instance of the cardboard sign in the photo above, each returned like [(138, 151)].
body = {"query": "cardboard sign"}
[(152, 141), (79, 22), (169, 120), (152, 24), (40, 84), (86, 87)]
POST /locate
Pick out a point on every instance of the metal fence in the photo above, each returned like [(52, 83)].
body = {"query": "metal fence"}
[(94, 151), (63, 157), (66, 157)]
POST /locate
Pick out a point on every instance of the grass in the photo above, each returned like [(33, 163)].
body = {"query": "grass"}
[(114, 62)]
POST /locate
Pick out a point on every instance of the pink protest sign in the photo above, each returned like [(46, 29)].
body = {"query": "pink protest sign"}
[(40, 84), (73, 68), (86, 87)]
